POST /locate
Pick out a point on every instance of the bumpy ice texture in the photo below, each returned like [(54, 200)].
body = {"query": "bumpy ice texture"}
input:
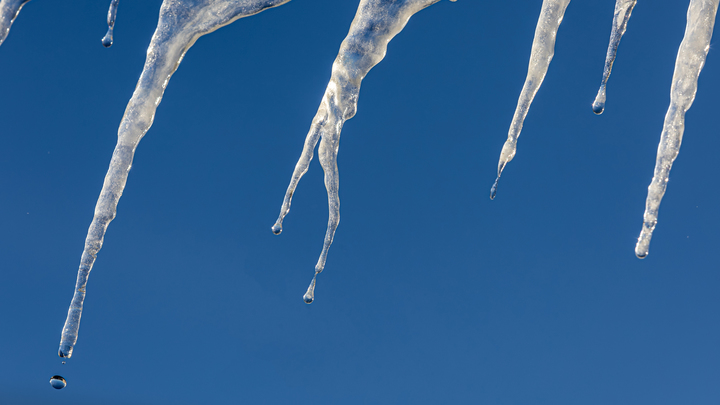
[(180, 24), (376, 23), (623, 9), (690, 60), (9, 10), (543, 49)]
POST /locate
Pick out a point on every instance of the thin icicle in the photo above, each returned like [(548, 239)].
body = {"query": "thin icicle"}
[(180, 24), (543, 49), (623, 9), (690, 60), (376, 23), (107, 40), (9, 10)]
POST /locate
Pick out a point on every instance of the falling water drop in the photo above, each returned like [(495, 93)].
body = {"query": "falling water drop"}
[(107, 40), (58, 382), (277, 228)]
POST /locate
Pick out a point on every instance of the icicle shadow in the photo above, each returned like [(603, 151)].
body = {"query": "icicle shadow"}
[(623, 9), (690, 60), (9, 10), (180, 24), (543, 49), (375, 24)]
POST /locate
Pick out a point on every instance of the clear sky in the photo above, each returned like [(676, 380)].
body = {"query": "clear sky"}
[(433, 293)]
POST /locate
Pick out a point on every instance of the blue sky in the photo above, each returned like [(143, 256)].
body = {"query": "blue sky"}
[(432, 293)]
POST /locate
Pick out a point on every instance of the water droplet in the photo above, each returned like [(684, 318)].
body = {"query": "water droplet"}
[(58, 382), (63, 362), (107, 40), (65, 350), (598, 107), (277, 229), (309, 296)]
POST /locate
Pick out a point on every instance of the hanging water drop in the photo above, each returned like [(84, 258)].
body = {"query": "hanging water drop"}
[(58, 382), (623, 9), (107, 40), (309, 296)]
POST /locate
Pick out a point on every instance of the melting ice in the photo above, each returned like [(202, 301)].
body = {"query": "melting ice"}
[(107, 40), (9, 10), (376, 23), (690, 60), (180, 24)]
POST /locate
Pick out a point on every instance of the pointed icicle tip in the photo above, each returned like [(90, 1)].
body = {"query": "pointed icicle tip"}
[(493, 189)]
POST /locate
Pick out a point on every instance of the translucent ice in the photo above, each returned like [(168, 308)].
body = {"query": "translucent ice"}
[(180, 24), (9, 10), (623, 9), (690, 60), (543, 49), (376, 23), (107, 40)]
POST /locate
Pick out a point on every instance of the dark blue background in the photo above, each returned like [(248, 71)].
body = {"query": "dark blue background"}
[(432, 292)]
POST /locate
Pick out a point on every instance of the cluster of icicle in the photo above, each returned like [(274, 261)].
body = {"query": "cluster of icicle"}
[(182, 22)]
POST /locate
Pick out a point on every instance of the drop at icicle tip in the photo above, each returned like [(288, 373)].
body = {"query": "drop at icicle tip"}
[(623, 10), (107, 40), (58, 382), (309, 296)]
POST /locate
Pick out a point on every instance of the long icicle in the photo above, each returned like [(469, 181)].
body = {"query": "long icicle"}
[(690, 60), (180, 24), (376, 23), (9, 10), (107, 40), (623, 9), (543, 49)]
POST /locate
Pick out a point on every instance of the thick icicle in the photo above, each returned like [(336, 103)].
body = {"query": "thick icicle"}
[(180, 24), (376, 23), (107, 40), (690, 60), (623, 9), (9, 10), (543, 49)]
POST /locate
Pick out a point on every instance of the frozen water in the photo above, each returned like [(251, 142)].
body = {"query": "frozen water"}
[(543, 49), (376, 23), (690, 60), (9, 10), (107, 40), (180, 24), (623, 9)]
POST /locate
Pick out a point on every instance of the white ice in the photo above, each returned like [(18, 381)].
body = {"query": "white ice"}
[(690, 60), (543, 49), (376, 23), (180, 24), (9, 10)]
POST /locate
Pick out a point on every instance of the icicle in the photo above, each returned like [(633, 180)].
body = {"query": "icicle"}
[(180, 24), (690, 60), (9, 10), (543, 49), (376, 23), (107, 40), (623, 9)]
